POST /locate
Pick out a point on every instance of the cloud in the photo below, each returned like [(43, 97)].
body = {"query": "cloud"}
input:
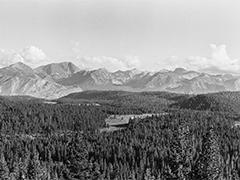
[(6, 57), (76, 47), (219, 52), (218, 62), (32, 56), (110, 63), (107, 62)]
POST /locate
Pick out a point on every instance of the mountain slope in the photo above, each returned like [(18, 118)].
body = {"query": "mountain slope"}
[(222, 102), (20, 79), (179, 81), (99, 79), (124, 101), (57, 70), (57, 79)]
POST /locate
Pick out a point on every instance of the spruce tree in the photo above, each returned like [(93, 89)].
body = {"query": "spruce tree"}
[(4, 171), (23, 166), (34, 167), (180, 153), (209, 163), (15, 174), (78, 165)]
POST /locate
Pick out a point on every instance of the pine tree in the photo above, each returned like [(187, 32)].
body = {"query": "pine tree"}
[(180, 157), (15, 174), (54, 175), (34, 167), (148, 175), (209, 164), (77, 161), (4, 171), (186, 152), (96, 173), (23, 167)]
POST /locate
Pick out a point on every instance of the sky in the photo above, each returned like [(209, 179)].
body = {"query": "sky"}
[(122, 34)]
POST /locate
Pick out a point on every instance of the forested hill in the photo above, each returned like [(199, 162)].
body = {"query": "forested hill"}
[(61, 141), (123, 102), (143, 101), (221, 102), (111, 95), (31, 116)]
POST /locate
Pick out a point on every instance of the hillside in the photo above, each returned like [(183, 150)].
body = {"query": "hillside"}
[(126, 102), (60, 79), (222, 102), (20, 79), (57, 70), (178, 81)]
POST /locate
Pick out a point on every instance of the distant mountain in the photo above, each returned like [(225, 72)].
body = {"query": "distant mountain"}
[(20, 79), (96, 79), (18, 69), (57, 79), (57, 70), (179, 81)]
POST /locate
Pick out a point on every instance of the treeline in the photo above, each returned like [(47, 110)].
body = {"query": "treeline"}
[(221, 102), (122, 102), (27, 117), (157, 101), (183, 145), (187, 145)]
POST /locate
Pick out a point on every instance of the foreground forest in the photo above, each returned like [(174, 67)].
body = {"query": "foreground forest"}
[(62, 141)]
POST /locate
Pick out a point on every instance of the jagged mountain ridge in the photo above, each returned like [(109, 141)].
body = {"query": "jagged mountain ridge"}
[(59, 79), (20, 79), (57, 70), (179, 81)]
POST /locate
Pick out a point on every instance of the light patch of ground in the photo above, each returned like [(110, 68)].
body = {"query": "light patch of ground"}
[(120, 120), (110, 129), (50, 102), (116, 120)]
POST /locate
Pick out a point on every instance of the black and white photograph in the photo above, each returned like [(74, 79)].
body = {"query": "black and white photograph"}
[(119, 90)]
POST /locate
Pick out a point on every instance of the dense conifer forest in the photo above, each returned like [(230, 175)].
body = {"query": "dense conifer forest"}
[(62, 141)]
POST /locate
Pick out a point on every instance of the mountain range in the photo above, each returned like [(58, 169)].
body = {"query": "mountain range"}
[(59, 79)]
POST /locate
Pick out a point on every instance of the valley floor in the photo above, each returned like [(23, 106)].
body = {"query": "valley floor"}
[(118, 122)]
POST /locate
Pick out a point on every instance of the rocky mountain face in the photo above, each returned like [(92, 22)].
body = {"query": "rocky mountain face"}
[(179, 81), (57, 70), (59, 79), (20, 79)]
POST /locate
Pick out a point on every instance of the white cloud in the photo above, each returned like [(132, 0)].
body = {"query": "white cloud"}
[(219, 52), (132, 62), (6, 57), (107, 62), (32, 56), (76, 47), (218, 62), (110, 63)]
